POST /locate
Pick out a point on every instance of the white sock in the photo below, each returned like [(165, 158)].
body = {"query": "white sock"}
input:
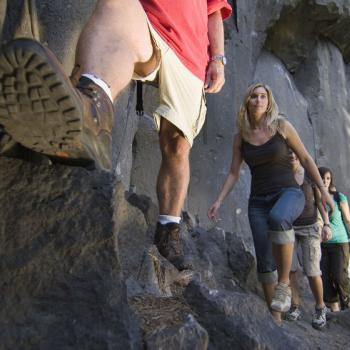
[(166, 219), (102, 84)]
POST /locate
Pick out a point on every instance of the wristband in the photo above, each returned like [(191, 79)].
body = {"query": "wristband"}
[(328, 225)]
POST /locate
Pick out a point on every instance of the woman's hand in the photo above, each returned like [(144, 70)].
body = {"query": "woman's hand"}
[(213, 210), (230, 180), (326, 233)]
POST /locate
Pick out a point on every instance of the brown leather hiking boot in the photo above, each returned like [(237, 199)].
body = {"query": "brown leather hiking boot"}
[(97, 123), (167, 239), (43, 111)]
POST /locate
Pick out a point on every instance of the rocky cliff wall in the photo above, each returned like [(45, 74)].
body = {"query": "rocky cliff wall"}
[(78, 265)]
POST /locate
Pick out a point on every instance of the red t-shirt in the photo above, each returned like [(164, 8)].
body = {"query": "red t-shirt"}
[(183, 24)]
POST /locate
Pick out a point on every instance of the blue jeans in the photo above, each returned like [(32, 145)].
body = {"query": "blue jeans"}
[(271, 218)]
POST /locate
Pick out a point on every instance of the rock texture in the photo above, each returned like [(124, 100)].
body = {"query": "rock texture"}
[(226, 316), (78, 267), (61, 285)]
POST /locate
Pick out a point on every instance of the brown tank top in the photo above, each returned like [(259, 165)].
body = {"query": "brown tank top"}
[(309, 214), (270, 165)]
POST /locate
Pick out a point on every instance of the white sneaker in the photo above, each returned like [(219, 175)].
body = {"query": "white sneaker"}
[(281, 301)]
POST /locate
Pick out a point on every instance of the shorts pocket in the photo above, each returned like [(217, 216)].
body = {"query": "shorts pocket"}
[(315, 231), (313, 258)]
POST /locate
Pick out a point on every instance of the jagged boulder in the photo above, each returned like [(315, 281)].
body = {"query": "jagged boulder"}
[(233, 318), (61, 285), (188, 336)]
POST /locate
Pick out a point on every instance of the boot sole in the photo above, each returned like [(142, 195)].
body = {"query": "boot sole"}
[(39, 107)]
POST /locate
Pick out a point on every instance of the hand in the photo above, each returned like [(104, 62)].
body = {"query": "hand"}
[(215, 77), (213, 211), (326, 233)]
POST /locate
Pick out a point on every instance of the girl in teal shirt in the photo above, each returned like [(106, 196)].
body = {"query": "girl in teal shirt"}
[(335, 252)]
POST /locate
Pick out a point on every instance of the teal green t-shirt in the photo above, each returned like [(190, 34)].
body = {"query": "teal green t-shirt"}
[(339, 234)]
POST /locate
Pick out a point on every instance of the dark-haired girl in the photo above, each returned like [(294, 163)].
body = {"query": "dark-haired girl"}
[(335, 252)]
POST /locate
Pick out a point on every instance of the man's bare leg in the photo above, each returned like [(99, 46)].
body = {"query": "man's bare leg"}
[(115, 42), (172, 184), (78, 121), (174, 173), (316, 287)]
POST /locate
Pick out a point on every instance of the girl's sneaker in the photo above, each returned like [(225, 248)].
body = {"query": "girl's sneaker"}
[(319, 318), (281, 301), (293, 314)]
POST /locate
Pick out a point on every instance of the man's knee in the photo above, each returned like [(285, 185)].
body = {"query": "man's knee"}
[(316, 280), (117, 17), (176, 148), (172, 142)]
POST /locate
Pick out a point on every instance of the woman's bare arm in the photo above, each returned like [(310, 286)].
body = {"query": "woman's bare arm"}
[(326, 230), (231, 178), (294, 142)]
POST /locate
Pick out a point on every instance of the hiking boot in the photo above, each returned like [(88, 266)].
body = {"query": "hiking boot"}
[(43, 111), (319, 318), (167, 240), (282, 299), (161, 239), (293, 314)]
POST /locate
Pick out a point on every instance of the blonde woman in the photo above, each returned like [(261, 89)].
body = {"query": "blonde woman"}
[(263, 141)]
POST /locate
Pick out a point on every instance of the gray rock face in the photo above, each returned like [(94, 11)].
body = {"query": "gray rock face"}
[(327, 91), (61, 284), (190, 336), (78, 266), (233, 318), (302, 23), (3, 6)]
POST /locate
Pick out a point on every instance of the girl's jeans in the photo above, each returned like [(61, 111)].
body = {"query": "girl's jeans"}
[(271, 219)]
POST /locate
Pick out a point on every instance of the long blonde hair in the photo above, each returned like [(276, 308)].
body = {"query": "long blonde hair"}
[(272, 118)]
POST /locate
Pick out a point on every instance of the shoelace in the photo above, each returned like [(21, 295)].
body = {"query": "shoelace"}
[(320, 313), (281, 292), (293, 308)]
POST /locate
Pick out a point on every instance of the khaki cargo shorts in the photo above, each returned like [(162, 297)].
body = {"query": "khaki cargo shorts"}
[(181, 93), (307, 249)]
